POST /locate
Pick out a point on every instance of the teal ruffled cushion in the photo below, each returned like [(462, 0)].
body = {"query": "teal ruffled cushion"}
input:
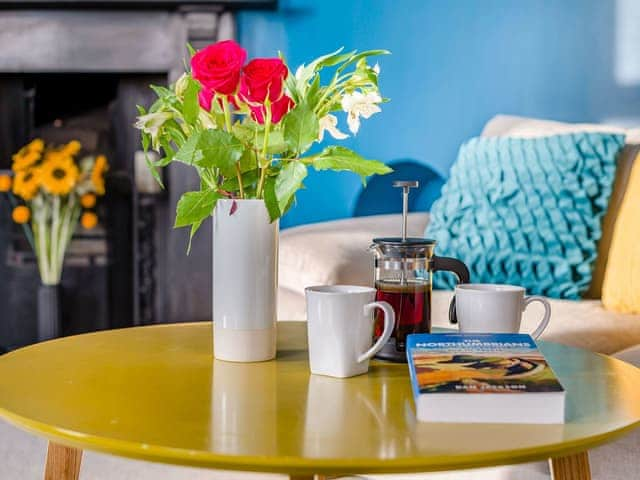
[(527, 211)]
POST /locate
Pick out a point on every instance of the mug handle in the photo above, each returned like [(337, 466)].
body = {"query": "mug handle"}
[(389, 323), (456, 267), (547, 313)]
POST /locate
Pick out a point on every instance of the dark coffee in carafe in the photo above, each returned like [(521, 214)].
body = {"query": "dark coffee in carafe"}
[(411, 302)]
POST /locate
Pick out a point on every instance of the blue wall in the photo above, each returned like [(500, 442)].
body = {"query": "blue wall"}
[(455, 64)]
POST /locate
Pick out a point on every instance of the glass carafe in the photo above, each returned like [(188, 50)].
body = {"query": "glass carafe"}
[(403, 269)]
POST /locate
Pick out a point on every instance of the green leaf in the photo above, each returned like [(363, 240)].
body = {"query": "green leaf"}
[(154, 171), (364, 77), (361, 55), (249, 178), (167, 149), (341, 159), (162, 92), (300, 128), (248, 161), (189, 152), (194, 228), (146, 140), (305, 72), (313, 94), (163, 162), (288, 182), (335, 59), (292, 87), (247, 134), (244, 133), (275, 142), (192, 51), (297, 84), (279, 190), (156, 106), (173, 129), (191, 106), (219, 149), (194, 207), (270, 199)]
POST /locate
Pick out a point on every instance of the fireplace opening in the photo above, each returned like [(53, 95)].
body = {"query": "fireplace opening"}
[(98, 281), (63, 96)]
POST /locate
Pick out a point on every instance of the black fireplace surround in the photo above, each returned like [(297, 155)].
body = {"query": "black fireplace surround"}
[(76, 69)]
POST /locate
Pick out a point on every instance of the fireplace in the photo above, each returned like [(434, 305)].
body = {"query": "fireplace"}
[(77, 69)]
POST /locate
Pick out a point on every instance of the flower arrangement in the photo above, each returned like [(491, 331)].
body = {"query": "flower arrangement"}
[(246, 127), (51, 190)]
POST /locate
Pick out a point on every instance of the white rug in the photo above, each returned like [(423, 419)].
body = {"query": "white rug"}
[(22, 457)]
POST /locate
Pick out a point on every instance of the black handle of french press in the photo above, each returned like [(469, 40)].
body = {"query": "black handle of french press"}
[(456, 267)]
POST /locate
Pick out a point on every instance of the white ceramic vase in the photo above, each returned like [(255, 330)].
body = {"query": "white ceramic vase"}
[(245, 281)]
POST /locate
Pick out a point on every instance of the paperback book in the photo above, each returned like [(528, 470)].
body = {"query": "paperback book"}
[(483, 378)]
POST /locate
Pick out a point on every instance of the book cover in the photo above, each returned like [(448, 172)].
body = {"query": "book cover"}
[(478, 364)]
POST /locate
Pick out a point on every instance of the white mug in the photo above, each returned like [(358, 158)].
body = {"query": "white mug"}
[(340, 329), (488, 308)]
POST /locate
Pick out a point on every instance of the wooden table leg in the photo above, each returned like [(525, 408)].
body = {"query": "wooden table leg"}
[(573, 467), (63, 463)]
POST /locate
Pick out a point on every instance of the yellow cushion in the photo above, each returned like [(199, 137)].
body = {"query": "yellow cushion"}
[(623, 172), (621, 287)]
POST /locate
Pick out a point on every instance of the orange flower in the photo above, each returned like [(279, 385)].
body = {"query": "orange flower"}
[(5, 183), (24, 161), (71, 148), (28, 155), (88, 220), (21, 214), (97, 174), (88, 200), (36, 145), (59, 174), (27, 183)]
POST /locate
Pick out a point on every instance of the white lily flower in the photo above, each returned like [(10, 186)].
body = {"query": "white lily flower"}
[(181, 85), (151, 123), (358, 104), (206, 120), (376, 68), (330, 124), (300, 71)]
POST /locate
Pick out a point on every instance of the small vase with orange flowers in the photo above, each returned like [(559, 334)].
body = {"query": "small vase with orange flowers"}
[(53, 188)]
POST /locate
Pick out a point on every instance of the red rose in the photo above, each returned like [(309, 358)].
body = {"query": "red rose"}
[(263, 78), (204, 97), (217, 67), (279, 109)]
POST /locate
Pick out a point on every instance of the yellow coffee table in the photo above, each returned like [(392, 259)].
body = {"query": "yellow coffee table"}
[(155, 393)]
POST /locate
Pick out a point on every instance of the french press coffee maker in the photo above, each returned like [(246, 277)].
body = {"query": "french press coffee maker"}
[(403, 267)]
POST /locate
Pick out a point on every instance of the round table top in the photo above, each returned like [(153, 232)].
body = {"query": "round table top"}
[(156, 393)]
